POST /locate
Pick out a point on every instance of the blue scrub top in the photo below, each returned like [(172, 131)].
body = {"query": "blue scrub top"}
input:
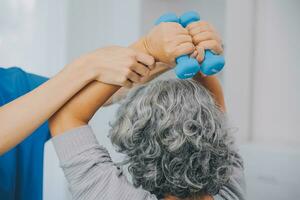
[(21, 169)]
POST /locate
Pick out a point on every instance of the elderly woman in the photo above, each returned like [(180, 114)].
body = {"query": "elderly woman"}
[(174, 136)]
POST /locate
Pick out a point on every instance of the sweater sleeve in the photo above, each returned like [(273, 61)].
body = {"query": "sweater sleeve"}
[(90, 172)]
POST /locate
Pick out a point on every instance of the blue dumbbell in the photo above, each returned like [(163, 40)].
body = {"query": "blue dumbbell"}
[(212, 63), (186, 67)]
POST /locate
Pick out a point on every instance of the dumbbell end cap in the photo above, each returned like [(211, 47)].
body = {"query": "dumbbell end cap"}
[(189, 17), (187, 68), (167, 17), (212, 66)]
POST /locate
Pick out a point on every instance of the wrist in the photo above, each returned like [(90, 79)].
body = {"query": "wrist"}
[(201, 77), (141, 46), (81, 70)]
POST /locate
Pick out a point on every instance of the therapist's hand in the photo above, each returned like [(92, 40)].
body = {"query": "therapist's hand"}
[(116, 65), (167, 41)]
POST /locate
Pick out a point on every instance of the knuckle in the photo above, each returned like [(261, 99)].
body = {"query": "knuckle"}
[(128, 85), (164, 26), (215, 43), (147, 71), (130, 51), (190, 46), (176, 25), (189, 38), (131, 67), (123, 79), (130, 63), (196, 39), (169, 51), (128, 72), (203, 23), (184, 31)]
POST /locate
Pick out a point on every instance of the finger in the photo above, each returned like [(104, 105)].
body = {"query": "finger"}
[(174, 27), (128, 84), (201, 54), (198, 30), (145, 59), (179, 39), (194, 54), (179, 29), (213, 45), (133, 77), (207, 35), (184, 49), (141, 69), (199, 25)]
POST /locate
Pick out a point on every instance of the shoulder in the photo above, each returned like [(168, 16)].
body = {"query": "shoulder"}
[(11, 71), (15, 82)]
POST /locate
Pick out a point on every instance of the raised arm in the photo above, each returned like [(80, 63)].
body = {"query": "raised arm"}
[(77, 149), (86, 164), (22, 116), (204, 36), (164, 43)]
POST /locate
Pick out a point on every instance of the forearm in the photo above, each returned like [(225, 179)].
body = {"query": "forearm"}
[(22, 116), (212, 83), (86, 102), (89, 100)]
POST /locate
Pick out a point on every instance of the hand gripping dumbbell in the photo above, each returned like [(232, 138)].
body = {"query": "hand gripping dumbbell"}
[(212, 63), (187, 67)]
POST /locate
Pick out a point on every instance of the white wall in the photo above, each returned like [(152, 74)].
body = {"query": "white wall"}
[(97, 24), (260, 78), (32, 35), (239, 48), (276, 82), (89, 26)]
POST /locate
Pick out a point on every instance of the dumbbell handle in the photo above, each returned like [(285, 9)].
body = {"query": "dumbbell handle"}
[(212, 63), (186, 67)]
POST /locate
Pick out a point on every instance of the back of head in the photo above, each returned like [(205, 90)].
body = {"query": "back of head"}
[(175, 139)]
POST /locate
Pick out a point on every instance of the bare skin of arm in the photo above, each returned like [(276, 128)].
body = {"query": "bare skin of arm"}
[(86, 102), (81, 108), (211, 83), (204, 36), (22, 116)]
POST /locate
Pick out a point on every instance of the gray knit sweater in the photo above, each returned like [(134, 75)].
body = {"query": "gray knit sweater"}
[(92, 175)]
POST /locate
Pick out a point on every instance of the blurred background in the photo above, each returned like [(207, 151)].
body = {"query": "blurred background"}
[(260, 79)]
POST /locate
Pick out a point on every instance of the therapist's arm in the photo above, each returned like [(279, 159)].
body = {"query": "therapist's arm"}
[(22, 116), (164, 43), (113, 65)]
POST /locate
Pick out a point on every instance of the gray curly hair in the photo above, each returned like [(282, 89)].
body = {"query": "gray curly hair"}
[(175, 139)]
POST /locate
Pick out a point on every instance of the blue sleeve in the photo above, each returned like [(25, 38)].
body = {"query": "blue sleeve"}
[(21, 169), (14, 82)]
